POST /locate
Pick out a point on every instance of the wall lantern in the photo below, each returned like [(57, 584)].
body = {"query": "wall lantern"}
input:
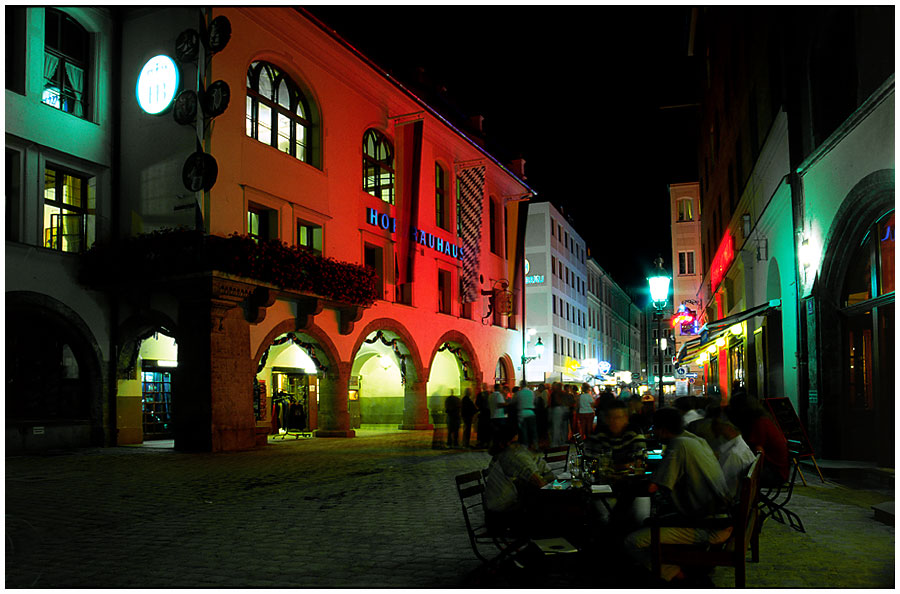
[(805, 254)]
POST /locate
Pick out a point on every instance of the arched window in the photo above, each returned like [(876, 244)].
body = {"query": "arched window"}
[(500, 375), (66, 64), (378, 165), (278, 114)]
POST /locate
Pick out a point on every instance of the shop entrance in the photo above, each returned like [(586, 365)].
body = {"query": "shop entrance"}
[(292, 404), (158, 358), (286, 392)]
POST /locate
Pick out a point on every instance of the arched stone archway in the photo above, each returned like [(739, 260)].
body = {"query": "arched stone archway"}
[(327, 410), (130, 404), (403, 375), (54, 377), (453, 367)]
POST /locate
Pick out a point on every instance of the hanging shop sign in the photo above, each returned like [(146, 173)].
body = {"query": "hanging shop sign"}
[(157, 84), (429, 240)]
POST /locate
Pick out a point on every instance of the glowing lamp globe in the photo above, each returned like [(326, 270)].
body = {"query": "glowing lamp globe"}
[(659, 288), (539, 347)]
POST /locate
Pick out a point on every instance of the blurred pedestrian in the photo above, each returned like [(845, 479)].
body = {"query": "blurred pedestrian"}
[(542, 414), (451, 407), (558, 427), (527, 417), (467, 411), (497, 402), (585, 411), (483, 424)]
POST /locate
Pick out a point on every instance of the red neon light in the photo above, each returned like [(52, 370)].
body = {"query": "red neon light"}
[(682, 318), (723, 259)]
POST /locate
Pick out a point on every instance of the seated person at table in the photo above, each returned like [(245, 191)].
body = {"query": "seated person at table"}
[(626, 444), (734, 455), (616, 434), (514, 471), (759, 431), (690, 474)]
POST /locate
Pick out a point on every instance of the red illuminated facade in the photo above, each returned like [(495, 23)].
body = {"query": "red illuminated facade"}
[(319, 150)]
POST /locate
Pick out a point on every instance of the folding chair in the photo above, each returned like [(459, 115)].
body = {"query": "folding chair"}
[(470, 487), (773, 500)]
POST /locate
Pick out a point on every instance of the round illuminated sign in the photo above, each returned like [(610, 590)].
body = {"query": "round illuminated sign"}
[(157, 84)]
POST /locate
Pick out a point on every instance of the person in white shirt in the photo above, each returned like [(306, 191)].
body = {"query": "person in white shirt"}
[(734, 455)]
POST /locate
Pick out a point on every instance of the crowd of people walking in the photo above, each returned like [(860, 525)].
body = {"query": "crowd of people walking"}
[(542, 415)]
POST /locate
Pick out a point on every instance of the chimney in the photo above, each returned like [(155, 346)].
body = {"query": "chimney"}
[(517, 166)]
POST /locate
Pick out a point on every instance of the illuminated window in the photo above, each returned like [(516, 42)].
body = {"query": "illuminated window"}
[(278, 114), (69, 211), (66, 64), (261, 223), (441, 213), (309, 235), (685, 210), (378, 166), (871, 272)]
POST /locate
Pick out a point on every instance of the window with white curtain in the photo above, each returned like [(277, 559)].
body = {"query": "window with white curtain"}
[(66, 64)]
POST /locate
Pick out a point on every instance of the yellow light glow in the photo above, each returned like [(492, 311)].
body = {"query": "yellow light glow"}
[(736, 330), (720, 342), (711, 349)]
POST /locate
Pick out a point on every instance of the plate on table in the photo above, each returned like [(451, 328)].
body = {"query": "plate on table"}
[(601, 489)]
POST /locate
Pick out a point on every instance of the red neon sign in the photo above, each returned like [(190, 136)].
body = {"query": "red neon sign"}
[(723, 259)]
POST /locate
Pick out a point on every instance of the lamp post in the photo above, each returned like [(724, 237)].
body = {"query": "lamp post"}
[(659, 294)]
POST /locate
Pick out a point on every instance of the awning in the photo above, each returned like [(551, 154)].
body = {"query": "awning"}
[(759, 310), (713, 330)]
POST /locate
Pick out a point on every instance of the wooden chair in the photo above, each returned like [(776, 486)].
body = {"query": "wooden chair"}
[(557, 458), (470, 487), (745, 521)]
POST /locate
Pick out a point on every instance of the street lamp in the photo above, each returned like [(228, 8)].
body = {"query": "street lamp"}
[(659, 293), (538, 349)]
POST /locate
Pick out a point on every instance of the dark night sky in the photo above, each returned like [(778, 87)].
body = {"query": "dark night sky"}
[(576, 91)]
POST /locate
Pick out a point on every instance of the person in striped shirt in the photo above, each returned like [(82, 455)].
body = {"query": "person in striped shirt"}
[(624, 441)]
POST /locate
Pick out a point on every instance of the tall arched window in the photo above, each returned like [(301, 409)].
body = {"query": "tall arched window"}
[(66, 63), (378, 165), (278, 114)]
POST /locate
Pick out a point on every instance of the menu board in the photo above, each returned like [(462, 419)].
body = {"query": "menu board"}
[(787, 420)]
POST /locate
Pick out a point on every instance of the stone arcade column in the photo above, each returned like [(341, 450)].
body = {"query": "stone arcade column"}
[(415, 406), (213, 410), (334, 411)]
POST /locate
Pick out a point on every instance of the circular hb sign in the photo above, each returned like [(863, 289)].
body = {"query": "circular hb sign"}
[(157, 84)]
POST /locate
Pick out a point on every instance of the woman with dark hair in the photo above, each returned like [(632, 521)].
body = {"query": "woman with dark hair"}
[(759, 431)]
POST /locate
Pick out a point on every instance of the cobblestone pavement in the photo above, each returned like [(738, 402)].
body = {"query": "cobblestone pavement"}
[(379, 510)]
